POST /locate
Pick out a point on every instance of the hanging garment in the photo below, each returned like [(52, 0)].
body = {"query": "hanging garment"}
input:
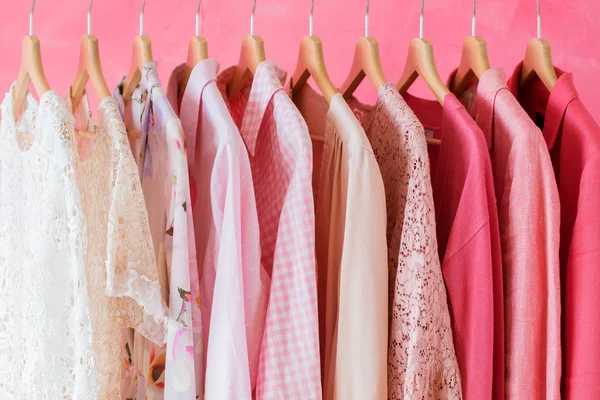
[(351, 251), (421, 358), (573, 139), (233, 285), (468, 239), (46, 349), (172, 372), (120, 264), (281, 161), (529, 215)]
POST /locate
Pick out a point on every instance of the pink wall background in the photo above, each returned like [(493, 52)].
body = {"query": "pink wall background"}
[(571, 26)]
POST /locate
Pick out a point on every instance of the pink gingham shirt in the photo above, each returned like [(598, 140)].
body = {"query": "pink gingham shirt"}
[(233, 286), (529, 216), (280, 149)]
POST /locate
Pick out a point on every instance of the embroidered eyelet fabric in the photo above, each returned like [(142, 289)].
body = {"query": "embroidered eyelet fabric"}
[(46, 349), (422, 362), (121, 268)]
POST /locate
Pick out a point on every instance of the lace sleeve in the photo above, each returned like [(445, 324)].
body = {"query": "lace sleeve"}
[(130, 258)]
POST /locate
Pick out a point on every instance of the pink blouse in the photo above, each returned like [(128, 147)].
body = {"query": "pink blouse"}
[(573, 139), (529, 209), (233, 286), (468, 238)]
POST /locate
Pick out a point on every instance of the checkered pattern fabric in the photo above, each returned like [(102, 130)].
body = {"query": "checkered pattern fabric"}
[(280, 149)]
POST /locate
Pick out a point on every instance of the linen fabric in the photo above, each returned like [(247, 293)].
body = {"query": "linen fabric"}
[(573, 140), (280, 155), (233, 285), (171, 371), (529, 212), (421, 358), (468, 238), (121, 270), (46, 333), (351, 251)]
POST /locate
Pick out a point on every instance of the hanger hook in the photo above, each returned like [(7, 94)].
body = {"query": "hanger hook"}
[(310, 18), (198, 18), (367, 20), (31, 17), (474, 19), (142, 17), (252, 19), (421, 19), (539, 21), (89, 18)]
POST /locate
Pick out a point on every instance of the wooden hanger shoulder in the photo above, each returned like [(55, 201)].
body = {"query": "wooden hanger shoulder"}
[(473, 62), (311, 62), (366, 63), (421, 62), (31, 70), (538, 61), (141, 54), (90, 68), (197, 51), (251, 55)]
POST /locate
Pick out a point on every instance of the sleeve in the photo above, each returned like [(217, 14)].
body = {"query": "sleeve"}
[(130, 259), (530, 224), (362, 328), (581, 282), (239, 298), (184, 356), (469, 283)]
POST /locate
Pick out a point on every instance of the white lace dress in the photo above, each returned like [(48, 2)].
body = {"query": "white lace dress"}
[(46, 350), (121, 267)]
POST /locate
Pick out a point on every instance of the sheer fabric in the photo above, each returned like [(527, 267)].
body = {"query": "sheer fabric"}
[(172, 371), (121, 269), (46, 349)]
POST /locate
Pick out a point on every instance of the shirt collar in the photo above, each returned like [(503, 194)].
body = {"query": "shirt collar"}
[(268, 80), (202, 74), (563, 93), (150, 77)]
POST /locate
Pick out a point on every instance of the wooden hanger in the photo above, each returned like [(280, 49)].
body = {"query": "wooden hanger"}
[(366, 63), (90, 68), (538, 61), (251, 55), (31, 69), (473, 61), (421, 62), (197, 51), (141, 54), (538, 58), (311, 62)]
